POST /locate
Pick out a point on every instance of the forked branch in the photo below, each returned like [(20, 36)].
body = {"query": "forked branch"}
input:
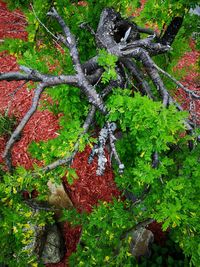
[(22, 124), (121, 38)]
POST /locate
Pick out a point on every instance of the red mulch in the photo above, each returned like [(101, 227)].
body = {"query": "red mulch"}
[(42, 126), (86, 193), (12, 23), (189, 63), (160, 237), (89, 188), (139, 9)]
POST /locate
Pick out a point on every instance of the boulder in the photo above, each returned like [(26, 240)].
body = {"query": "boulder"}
[(53, 250), (141, 239), (46, 242)]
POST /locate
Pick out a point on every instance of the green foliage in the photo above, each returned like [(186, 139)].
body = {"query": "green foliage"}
[(173, 199), (157, 15), (18, 4), (17, 219), (108, 62), (161, 12), (15, 46), (180, 201), (7, 124), (71, 176), (169, 255), (141, 115), (101, 232), (147, 127)]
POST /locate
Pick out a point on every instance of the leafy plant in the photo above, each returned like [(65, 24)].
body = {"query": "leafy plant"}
[(161, 173), (18, 221), (108, 62), (7, 124), (101, 232)]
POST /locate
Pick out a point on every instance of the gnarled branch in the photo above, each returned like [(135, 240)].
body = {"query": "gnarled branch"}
[(20, 127), (121, 38)]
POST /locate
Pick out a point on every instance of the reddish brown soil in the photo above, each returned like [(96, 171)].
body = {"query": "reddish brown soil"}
[(12, 23), (89, 188), (189, 63), (43, 125), (139, 9)]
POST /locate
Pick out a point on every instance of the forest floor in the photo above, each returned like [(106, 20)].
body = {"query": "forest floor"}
[(88, 189)]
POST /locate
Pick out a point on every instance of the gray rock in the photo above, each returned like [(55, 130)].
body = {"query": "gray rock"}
[(46, 242), (140, 242), (35, 241), (53, 250)]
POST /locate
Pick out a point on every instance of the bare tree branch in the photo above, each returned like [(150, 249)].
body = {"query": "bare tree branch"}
[(68, 160), (112, 140), (137, 74), (20, 127), (90, 66), (146, 30), (35, 76), (98, 150), (70, 42), (141, 54), (190, 92), (12, 96), (55, 37), (147, 43), (17, 76), (121, 38)]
